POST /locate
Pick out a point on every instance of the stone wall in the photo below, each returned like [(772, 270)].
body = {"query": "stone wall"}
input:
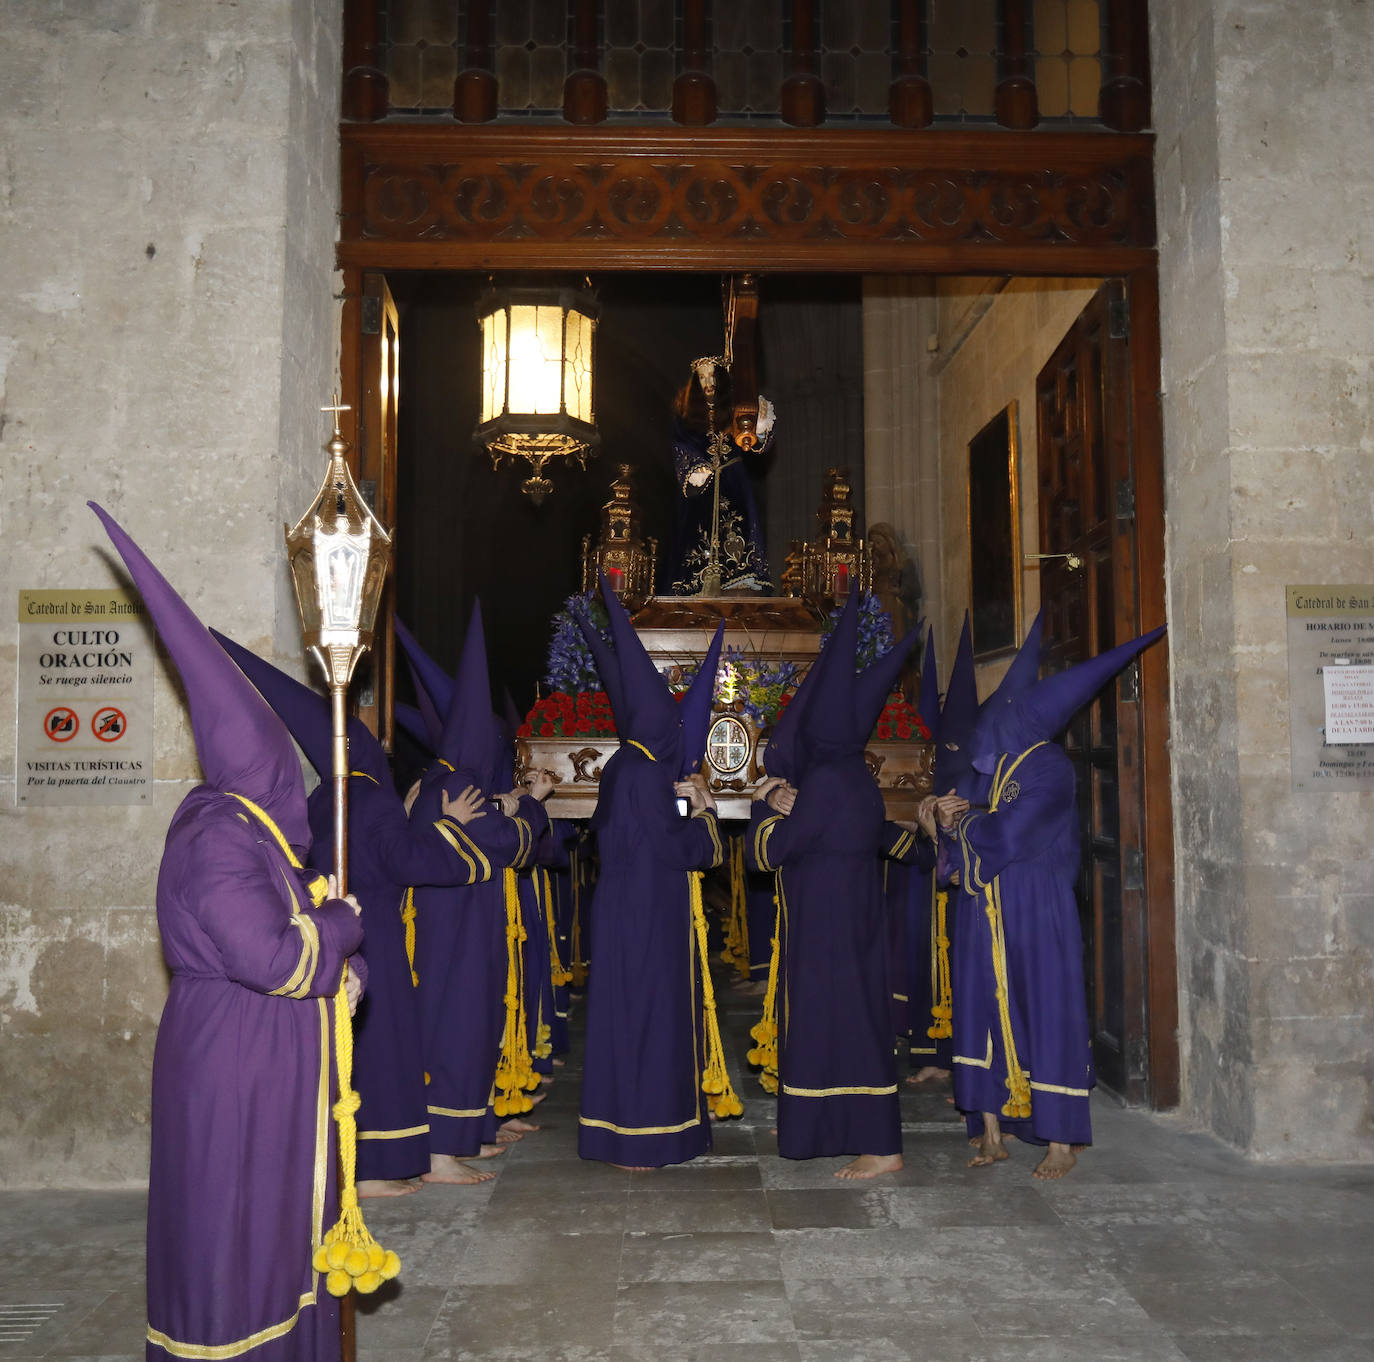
[(941, 358), (168, 192), (1265, 255)]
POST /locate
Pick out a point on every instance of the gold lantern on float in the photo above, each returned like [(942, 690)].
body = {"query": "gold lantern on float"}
[(538, 401), (623, 552), (836, 561)]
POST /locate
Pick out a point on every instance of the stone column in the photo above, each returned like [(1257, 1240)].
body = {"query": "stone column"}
[(1263, 189), (168, 200)]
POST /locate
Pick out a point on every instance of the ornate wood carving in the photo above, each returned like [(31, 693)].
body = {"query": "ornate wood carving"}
[(634, 198)]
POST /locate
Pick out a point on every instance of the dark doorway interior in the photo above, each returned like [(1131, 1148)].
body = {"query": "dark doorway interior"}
[(465, 529)]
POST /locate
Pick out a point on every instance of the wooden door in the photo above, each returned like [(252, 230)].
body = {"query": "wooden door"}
[(1087, 510), (378, 362)]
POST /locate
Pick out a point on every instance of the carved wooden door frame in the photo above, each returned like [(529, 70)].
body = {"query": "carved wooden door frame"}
[(776, 200)]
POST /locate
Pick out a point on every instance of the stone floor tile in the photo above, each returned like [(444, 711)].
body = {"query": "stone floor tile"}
[(563, 1212), (726, 1173), (947, 1347), (699, 1257), (1230, 1299), (855, 1253), (665, 1314), (554, 1175), (534, 1258), (757, 1352), (725, 1212), (856, 1207), (988, 1204), (1137, 1348), (398, 1316), (867, 1308), (799, 1174), (493, 1322)]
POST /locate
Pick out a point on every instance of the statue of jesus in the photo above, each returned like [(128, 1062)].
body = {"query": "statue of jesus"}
[(718, 540)]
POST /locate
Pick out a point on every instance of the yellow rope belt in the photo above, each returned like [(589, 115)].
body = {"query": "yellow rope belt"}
[(715, 1081), (765, 1030), (942, 994), (560, 974), (349, 1256), (515, 1076)]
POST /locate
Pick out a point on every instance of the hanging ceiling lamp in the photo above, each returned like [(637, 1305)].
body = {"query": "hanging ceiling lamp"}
[(537, 397)]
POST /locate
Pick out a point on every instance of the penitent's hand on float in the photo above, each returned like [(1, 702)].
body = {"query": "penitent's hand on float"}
[(540, 784), (509, 803), (927, 813), (465, 807), (782, 799), (411, 795), (694, 789), (766, 787)]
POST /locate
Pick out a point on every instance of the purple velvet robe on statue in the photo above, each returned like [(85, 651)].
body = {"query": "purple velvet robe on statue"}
[(1024, 852), (642, 1104), (837, 1077)]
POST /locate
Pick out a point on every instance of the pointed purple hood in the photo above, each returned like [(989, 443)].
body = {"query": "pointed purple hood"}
[(306, 714), (928, 702), (433, 685), (782, 755), (694, 709), (607, 664), (830, 727), (244, 748), (958, 717), (878, 680), (471, 741), (1041, 712), (1025, 666), (413, 722), (648, 714)]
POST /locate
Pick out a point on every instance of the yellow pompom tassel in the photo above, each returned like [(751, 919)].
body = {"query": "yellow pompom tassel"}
[(347, 1250), (765, 1030), (715, 1081), (408, 918)]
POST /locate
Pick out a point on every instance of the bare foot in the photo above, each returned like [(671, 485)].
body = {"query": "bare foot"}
[(491, 1151), (632, 1168), (536, 1098), (506, 1136), (558, 1063), (929, 1074), (1056, 1163), (871, 1166), (990, 1150), (370, 1187), (448, 1169), (517, 1127)]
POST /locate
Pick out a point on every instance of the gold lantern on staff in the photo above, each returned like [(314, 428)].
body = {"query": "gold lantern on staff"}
[(538, 400)]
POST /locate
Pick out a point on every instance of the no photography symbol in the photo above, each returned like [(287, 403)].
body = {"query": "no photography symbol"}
[(60, 724), (109, 724)]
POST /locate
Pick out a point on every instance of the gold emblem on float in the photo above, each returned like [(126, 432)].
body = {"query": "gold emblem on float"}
[(728, 745)]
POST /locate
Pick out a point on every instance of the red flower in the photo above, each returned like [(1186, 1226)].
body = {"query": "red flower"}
[(584, 725), (546, 729), (884, 730), (524, 731), (903, 729)]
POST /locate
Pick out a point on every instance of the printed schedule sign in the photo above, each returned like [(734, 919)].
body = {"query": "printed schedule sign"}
[(85, 699), (1331, 687)]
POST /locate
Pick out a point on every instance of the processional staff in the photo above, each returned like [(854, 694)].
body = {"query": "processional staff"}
[(339, 554)]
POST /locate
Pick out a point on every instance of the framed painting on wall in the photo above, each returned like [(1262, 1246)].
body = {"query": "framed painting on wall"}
[(994, 536)]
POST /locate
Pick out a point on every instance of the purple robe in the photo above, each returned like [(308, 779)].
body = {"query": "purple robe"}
[(388, 854), (1021, 856), (556, 855), (241, 1184), (461, 958), (837, 1077), (761, 909), (910, 890), (642, 1104), (538, 982)]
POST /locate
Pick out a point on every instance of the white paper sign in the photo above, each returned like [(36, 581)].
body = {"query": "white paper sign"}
[(85, 701), (1349, 692)]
